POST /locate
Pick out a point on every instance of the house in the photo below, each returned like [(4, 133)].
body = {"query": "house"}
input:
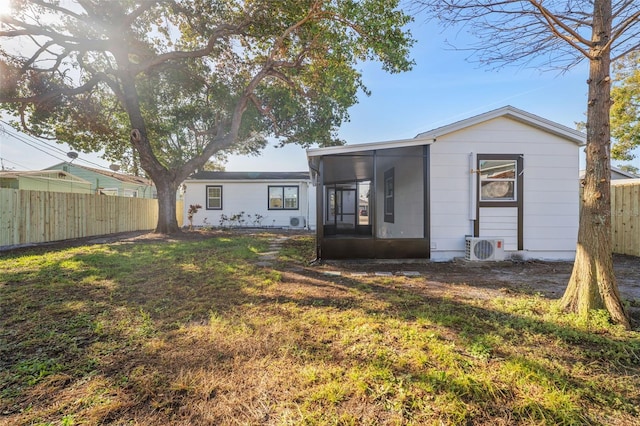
[(44, 180), (503, 179), (259, 199), (109, 182)]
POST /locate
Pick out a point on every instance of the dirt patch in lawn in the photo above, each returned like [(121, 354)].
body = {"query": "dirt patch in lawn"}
[(458, 278), (487, 279)]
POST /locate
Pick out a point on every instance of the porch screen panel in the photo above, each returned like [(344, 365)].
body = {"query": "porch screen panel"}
[(407, 193)]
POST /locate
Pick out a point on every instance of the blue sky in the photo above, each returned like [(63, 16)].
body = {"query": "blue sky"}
[(442, 88)]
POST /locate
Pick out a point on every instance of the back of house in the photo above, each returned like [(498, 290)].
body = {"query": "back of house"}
[(500, 184), (251, 199)]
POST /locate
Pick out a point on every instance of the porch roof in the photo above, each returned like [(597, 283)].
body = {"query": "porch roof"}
[(355, 162)]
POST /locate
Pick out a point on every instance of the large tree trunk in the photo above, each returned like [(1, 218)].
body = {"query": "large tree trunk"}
[(167, 221), (593, 284)]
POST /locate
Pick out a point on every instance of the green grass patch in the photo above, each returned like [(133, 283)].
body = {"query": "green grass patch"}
[(194, 332)]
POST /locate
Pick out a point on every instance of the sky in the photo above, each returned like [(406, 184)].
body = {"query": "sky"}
[(442, 88)]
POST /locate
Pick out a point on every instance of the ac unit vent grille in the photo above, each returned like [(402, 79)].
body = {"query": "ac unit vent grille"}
[(484, 249), (297, 222)]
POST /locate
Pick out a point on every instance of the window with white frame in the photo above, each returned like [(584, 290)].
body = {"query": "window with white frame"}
[(214, 197), (498, 179), (283, 197)]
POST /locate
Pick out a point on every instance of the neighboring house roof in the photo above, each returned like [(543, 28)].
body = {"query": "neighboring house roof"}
[(137, 180), (249, 176), (430, 136), (43, 174), (616, 174)]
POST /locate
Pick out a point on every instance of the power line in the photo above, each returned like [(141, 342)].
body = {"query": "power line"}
[(33, 140), (14, 163), (23, 135)]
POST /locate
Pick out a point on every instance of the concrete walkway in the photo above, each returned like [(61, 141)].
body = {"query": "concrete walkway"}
[(271, 255)]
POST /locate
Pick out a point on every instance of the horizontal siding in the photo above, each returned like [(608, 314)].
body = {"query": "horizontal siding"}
[(251, 199), (550, 203), (500, 222)]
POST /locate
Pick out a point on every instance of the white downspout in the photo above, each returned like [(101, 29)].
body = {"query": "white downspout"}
[(473, 190)]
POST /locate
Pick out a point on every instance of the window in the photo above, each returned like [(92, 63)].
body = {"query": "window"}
[(498, 180), (283, 198), (109, 191), (389, 196), (214, 197), (130, 193)]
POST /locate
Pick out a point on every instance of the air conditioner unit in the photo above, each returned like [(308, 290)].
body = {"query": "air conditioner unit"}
[(483, 249), (297, 222)]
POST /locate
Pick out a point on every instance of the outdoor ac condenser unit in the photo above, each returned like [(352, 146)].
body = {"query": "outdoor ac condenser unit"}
[(297, 222), (482, 249)]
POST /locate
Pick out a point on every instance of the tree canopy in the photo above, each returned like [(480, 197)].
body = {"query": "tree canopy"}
[(625, 111), (171, 83)]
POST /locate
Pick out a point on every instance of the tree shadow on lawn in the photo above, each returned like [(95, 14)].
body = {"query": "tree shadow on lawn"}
[(157, 337)]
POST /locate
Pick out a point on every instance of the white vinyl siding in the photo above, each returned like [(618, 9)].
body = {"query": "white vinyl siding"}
[(550, 183), (251, 199), (501, 223)]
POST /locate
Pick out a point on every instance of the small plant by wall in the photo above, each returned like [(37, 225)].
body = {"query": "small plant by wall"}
[(193, 209), (241, 220)]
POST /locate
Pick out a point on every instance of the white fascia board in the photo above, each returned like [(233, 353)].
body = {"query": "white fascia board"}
[(227, 181), (369, 146)]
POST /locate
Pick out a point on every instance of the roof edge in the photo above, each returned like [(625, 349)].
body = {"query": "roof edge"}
[(509, 111)]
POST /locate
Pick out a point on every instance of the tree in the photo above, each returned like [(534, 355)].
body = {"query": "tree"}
[(625, 111), (168, 84), (559, 34)]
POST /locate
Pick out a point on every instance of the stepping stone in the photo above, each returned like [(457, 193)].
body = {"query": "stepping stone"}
[(264, 264), (333, 273), (383, 274), (358, 274), (410, 273)]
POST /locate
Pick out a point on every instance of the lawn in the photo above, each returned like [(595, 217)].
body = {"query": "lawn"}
[(198, 331)]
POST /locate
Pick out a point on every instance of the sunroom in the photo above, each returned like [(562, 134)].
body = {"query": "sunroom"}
[(372, 200)]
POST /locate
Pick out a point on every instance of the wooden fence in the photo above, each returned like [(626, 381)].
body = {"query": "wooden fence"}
[(625, 216), (35, 216)]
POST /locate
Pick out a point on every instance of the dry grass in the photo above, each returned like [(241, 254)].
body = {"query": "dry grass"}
[(193, 332)]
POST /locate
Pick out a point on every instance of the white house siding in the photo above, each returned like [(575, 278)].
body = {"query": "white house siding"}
[(408, 192), (500, 223), (250, 197), (550, 189)]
